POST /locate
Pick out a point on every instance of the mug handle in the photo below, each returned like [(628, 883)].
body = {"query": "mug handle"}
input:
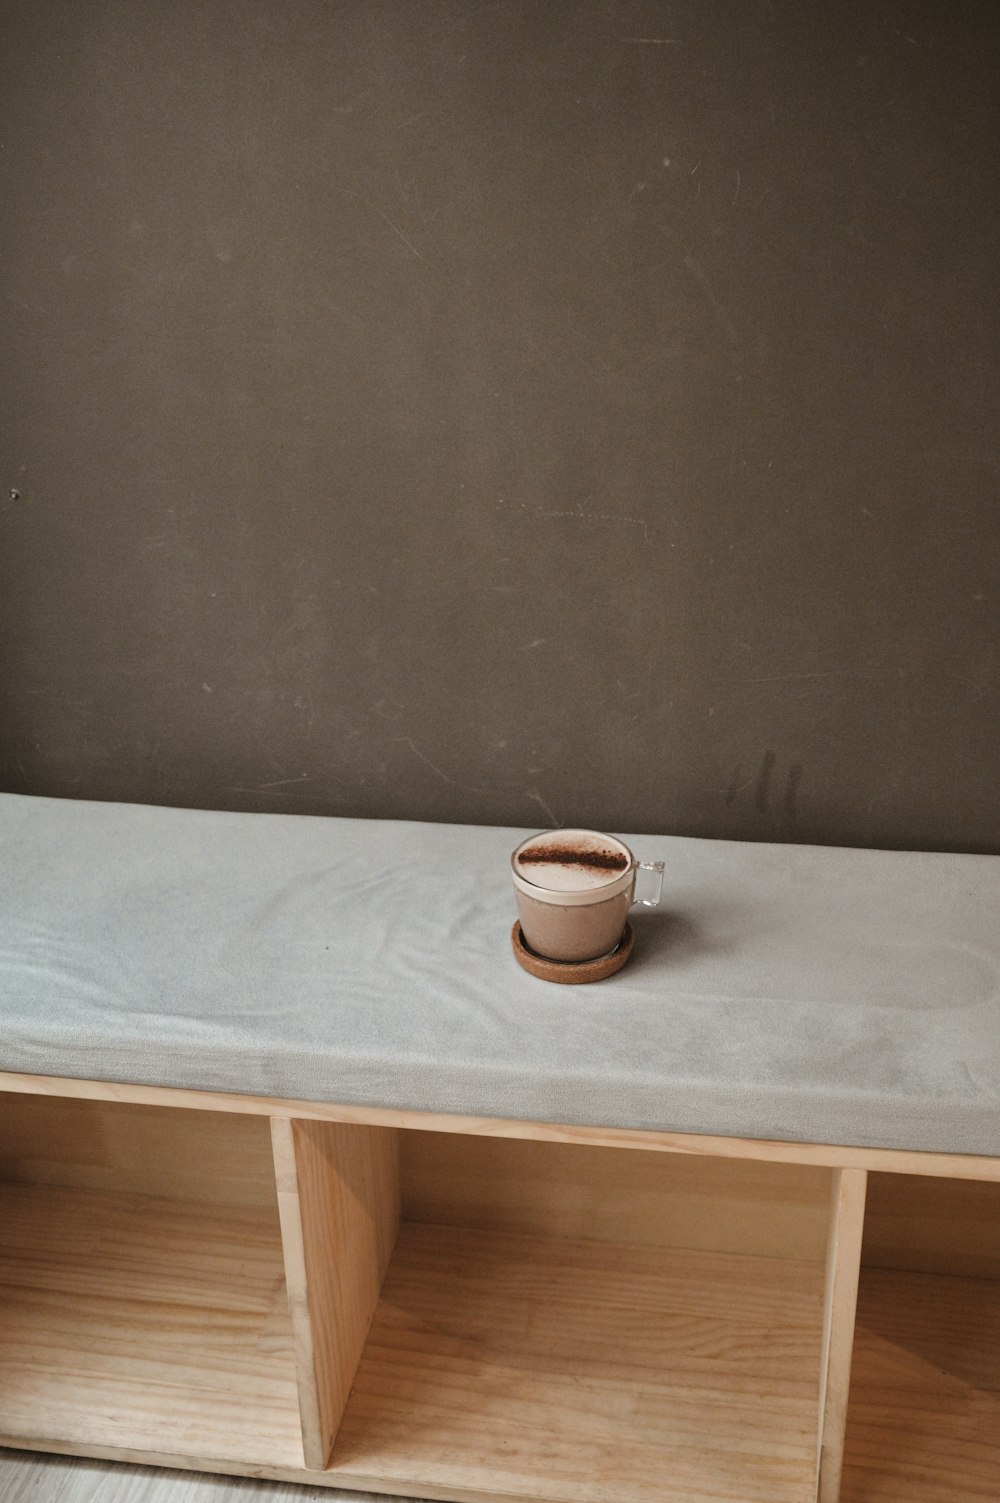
[(653, 882)]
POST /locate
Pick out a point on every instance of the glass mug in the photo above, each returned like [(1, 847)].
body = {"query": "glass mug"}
[(574, 889)]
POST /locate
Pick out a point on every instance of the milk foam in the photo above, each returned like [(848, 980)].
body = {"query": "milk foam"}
[(581, 860)]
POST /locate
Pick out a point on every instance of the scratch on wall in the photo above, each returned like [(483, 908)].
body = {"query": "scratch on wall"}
[(578, 513), (530, 793)]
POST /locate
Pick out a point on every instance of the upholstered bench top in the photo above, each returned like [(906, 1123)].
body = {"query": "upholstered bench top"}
[(792, 992)]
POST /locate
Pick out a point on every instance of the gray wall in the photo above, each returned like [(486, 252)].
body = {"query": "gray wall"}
[(517, 412)]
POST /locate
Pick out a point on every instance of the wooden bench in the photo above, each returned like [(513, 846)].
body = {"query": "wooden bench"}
[(354, 1286)]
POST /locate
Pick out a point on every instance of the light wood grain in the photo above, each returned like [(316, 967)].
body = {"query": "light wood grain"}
[(833, 1156), (219, 1158), (933, 1226), (144, 1324), (338, 1194), (518, 1367), (508, 1358), (615, 1195), (843, 1268), (924, 1418)]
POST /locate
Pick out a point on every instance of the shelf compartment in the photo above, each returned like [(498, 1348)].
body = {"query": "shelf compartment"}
[(508, 1366), (924, 1417), (143, 1323)]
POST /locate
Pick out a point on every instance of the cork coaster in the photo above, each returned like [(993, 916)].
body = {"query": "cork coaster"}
[(572, 972)]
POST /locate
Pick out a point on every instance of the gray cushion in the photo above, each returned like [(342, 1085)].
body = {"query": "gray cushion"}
[(790, 992)]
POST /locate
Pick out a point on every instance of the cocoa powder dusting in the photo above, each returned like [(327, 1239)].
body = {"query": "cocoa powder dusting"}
[(568, 855)]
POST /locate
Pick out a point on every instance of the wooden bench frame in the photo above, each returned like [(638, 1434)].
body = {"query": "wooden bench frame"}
[(509, 1254)]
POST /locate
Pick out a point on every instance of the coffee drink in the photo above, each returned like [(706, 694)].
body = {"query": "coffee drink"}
[(574, 889)]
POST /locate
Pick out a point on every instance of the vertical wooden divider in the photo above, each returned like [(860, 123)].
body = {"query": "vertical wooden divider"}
[(843, 1269), (338, 1200)]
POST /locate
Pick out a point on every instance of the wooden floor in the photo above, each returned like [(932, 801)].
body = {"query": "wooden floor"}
[(29, 1478)]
